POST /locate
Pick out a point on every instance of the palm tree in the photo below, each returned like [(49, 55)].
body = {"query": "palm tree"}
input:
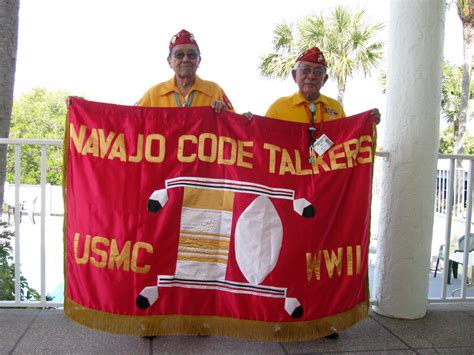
[(466, 14), (8, 47), (451, 92), (347, 41)]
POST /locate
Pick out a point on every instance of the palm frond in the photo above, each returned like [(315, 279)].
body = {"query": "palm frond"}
[(312, 31), (276, 65), (283, 37)]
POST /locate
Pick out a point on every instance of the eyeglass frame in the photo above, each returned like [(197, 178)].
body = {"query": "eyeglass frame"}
[(189, 53), (320, 70)]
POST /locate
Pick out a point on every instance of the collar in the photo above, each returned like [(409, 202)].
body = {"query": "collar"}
[(170, 86), (298, 99)]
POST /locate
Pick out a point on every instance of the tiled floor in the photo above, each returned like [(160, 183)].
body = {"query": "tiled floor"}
[(446, 329)]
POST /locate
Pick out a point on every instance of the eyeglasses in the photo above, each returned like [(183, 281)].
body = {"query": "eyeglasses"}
[(317, 71), (190, 54)]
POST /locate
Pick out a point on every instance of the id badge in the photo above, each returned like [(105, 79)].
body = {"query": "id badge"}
[(322, 144)]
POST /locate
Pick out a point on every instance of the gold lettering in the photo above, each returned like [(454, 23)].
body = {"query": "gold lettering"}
[(85, 254), (351, 154), (358, 258), (139, 156), (181, 157), (233, 151), (334, 261), (118, 148), (77, 140), (148, 145), (136, 249), (299, 171), (92, 144), (97, 250), (286, 165), (202, 147), (365, 149), (318, 161), (102, 254), (313, 263), (350, 271), (244, 154), (333, 156), (117, 258), (272, 159), (105, 143)]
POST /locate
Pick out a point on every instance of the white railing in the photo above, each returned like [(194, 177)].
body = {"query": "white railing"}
[(43, 143), (454, 201), (460, 188), (445, 199)]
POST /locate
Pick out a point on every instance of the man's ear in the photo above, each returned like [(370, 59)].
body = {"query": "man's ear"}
[(326, 77), (293, 74)]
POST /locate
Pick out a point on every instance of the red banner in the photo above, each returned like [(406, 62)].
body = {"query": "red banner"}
[(184, 221)]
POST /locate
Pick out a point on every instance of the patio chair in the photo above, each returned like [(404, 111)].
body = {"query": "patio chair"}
[(28, 207), (461, 244), (461, 250), (449, 267), (453, 265)]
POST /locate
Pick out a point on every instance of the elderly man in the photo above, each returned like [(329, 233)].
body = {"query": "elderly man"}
[(185, 88), (308, 105)]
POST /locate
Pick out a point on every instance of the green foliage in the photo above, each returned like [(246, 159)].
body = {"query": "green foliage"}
[(446, 142), (471, 89), (7, 268), (7, 271), (465, 10), (451, 90), (38, 114), (347, 41)]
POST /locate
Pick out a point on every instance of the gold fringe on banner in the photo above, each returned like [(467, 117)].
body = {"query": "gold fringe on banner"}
[(167, 325)]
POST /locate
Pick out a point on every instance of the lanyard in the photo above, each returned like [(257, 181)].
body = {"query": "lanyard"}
[(312, 114), (311, 110), (187, 102)]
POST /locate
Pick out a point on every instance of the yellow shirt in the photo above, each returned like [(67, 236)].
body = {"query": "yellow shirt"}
[(295, 108), (167, 94)]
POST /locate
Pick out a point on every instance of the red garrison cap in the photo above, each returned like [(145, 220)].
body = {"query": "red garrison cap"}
[(182, 37), (312, 55)]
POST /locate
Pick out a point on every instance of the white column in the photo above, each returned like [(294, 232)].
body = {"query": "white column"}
[(414, 67)]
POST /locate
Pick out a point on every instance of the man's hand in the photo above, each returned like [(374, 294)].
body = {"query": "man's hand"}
[(219, 106), (249, 115), (375, 114), (68, 99)]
